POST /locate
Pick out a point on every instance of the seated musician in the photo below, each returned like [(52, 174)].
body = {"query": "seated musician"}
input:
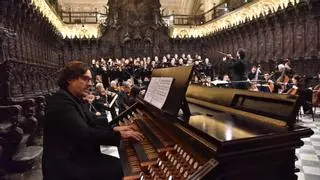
[(195, 79), (252, 73), (134, 93), (98, 79), (226, 78), (305, 93), (255, 78), (293, 88), (208, 81), (316, 93), (103, 100), (100, 117), (288, 66), (181, 62), (112, 107), (71, 141), (114, 87), (281, 79), (269, 82), (225, 82), (123, 98)]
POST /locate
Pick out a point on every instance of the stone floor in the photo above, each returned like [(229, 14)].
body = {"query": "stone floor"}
[(308, 155)]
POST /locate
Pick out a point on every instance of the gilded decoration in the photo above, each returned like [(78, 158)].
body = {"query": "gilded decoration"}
[(249, 11)]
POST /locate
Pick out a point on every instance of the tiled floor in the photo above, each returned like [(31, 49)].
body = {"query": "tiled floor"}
[(308, 156)]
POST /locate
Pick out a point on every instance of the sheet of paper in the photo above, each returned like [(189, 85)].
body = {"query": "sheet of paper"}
[(158, 91)]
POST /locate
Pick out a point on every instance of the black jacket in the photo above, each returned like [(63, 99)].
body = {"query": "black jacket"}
[(72, 142), (239, 69)]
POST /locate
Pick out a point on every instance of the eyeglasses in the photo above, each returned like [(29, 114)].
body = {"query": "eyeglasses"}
[(86, 78)]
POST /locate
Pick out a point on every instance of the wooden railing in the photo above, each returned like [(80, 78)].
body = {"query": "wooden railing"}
[(93, 17), (216, 12), (69, 17)]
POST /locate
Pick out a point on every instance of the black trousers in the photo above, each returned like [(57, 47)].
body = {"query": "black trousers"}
[(240, 85), (102, 167)]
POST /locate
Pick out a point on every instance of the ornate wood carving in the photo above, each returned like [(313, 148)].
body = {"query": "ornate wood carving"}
[(133, 28)]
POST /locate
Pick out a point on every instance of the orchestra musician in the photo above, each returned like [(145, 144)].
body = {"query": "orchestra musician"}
[(71, 141), (239, 68), (101, 103), (288, 67), (208, 67), (316, 93), (269, 82), (299, 87), (123, 99), (294, 89), (282, 79), (254, 76)]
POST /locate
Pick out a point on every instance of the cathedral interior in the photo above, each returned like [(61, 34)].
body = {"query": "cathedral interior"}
[(214, 122)]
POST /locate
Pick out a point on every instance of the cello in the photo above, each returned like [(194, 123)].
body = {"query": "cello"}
[(270, 83), (294, 90), (253, 86)]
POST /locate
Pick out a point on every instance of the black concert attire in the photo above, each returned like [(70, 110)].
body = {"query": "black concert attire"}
[(208, 69), (95, 71), (99, 106), (239, 68), (100, 103), (72, 142), (251, 75), (122, 101), (134, 93), (105, 76)]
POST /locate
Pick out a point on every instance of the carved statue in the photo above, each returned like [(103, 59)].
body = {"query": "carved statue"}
[(5, 34)]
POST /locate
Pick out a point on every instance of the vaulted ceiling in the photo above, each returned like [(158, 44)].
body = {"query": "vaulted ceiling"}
[(169, 6)]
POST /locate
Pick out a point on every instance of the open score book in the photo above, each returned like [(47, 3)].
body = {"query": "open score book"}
[(158, 91)]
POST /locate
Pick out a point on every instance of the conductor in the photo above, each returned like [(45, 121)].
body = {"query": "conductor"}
[(71, 140), (239, 68)]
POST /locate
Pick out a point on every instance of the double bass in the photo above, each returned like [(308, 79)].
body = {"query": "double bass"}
[(283, 80)]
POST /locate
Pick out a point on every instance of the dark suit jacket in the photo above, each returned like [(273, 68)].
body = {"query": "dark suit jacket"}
[(239, 69), (72, 141)]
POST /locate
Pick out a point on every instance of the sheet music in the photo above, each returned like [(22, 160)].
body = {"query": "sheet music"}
[(158, 91)]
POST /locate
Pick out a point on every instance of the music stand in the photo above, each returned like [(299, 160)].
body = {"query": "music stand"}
[(112, 102), (263, 88), (176, 97)]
